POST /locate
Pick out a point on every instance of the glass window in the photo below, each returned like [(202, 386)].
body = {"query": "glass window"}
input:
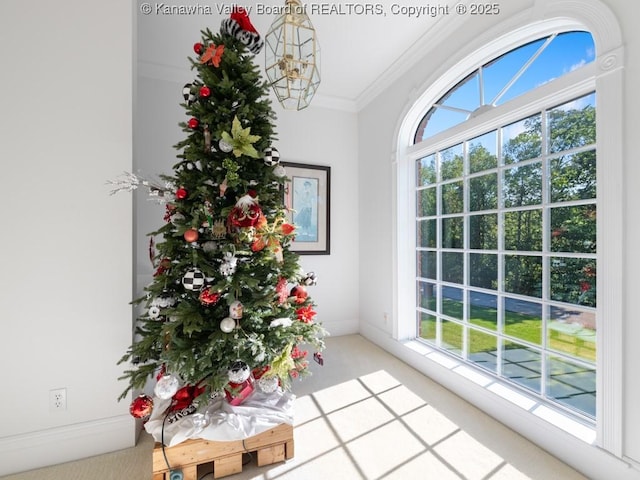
[(506, 237)]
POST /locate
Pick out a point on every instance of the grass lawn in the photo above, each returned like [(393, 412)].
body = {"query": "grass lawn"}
[(518, 325)]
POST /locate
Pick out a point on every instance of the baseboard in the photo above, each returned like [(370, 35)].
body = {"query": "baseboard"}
[(28, 451)]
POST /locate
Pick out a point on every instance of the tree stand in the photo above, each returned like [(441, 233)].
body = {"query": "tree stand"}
[(272, 446)]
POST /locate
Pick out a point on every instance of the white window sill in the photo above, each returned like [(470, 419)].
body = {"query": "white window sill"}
[(528, 403)]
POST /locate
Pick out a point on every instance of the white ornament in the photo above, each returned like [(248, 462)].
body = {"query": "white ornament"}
[(281, 322), (177, 218), (166, 387), (268, 384), (227, 325), (209, 246), (239, 372), (229, 265), (154, 311), (280, 171), (235, 310), (224, 146)]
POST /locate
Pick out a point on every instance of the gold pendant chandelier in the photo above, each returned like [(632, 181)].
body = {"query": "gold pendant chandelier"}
[(292, 57)]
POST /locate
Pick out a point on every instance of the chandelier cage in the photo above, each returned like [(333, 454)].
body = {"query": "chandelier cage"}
[(292, 57)]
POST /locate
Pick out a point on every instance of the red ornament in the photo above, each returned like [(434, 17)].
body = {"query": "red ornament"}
[(141, 407), (193, 123), (209, 297), (191, 235), (300, 293), (245, 217), (181, 193), (205, 91), (237, 393), (198, 47), (163, 266), (185, 397)]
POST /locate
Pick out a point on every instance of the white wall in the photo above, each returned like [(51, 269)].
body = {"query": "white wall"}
[(378, 123), (65, 281)]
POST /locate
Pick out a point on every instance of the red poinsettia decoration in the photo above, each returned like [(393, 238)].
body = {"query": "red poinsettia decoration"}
[(213, 55), (306, 314)]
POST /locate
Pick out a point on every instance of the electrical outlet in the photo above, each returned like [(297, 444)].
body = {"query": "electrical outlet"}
[(58, 399)]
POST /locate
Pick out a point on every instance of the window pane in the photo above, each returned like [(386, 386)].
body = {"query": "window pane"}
[(464, 95), (521, 140), (427, 295), (523, 320), (573, 280), (483, 270), (452, 304), (482, 153), (572, 331), (483, 232), (523, 275), (451, 162), (573, 177), (522, 186), (437, 120), (483, 349), (522, 365), (572, 384), (483, 192), (452, 197), (566, 52), (573, 229), (573, 124), (427, 264), (452, 336), (452, 267), (426, 174), (501, 70), (427, 233), (483, 310), (453, 232), (427, 326), (427, 202), (523, 230)]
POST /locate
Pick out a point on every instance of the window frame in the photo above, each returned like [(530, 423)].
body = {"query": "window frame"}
[(602, 76)]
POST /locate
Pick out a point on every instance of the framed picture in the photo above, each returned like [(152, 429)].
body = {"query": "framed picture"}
[(307, 195)]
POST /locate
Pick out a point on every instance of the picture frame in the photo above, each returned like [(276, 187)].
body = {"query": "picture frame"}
[(307, 199)]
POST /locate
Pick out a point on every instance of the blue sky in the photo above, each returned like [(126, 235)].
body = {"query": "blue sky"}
[(563, 54)]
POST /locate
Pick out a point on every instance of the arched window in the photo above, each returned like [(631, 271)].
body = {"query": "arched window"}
[(505, 220)]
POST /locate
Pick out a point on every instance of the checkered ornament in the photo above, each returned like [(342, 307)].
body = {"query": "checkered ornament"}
[(271, 156), (193, 280)]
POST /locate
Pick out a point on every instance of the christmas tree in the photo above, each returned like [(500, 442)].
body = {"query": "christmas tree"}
[(228, 307)]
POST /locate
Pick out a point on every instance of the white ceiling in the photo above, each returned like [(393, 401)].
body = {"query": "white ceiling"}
[(360, 53)]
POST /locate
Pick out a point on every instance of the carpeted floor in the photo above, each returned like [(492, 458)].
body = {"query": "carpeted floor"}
[(365, 415)]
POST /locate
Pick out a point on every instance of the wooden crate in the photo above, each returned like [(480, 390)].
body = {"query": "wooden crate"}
[(272, 446)]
